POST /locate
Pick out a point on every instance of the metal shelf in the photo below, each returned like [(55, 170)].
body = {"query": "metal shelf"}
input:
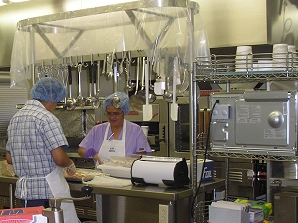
[(225, 68), (201, 152)]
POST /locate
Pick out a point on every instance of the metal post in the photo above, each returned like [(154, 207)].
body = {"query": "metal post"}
[(11, 196), (268, 177), (227, 178)]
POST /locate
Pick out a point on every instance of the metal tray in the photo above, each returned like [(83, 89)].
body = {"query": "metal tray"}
[(72, 179)]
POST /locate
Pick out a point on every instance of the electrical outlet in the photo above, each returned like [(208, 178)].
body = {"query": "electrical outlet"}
[(165, 213)]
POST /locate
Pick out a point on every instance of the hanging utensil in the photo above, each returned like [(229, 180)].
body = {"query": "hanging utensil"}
[(97, 81), (121, 65), (168, 95), (104, 65), (70, 101), (185, 82), (147, 108), (80, 99), (96, 85), (129, 85), (152, 95), (111, 61), (174, 105), (135, 100), (91, 100), (141, 93), (151, 86), (116, 100), (90, 78)]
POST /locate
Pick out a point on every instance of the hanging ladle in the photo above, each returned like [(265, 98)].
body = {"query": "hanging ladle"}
[(142, 92), (168, 95), (129, 85), (96, 88), (91, 100), (70, 101), (81, 101), (152, 95), (135, 100), (116, 100)]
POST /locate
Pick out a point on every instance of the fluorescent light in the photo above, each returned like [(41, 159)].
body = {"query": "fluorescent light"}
[(13, 1), (71, 5)]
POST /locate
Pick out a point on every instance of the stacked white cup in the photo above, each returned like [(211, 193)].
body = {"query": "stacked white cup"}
[(279, 54), (293, 57), (243, 58), (264, 65), (291, 48)]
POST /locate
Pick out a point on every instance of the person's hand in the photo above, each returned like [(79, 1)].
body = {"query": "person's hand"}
[(90, 153), (71, 169)]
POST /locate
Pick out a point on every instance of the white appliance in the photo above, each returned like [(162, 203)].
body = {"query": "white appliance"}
[(166, 171)]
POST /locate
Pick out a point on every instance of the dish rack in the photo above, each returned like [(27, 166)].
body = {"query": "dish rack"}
[(254, 67)]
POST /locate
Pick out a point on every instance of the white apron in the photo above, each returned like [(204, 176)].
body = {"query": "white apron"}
[(59, 188), (112, 147), (109, 148)]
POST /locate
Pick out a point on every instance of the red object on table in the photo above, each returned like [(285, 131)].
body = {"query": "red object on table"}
[(19, 215)]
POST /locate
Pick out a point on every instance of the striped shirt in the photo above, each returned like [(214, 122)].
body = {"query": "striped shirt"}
[(33, 132)]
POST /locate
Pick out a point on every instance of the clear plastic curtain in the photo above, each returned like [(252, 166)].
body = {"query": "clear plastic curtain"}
[(160, 33)]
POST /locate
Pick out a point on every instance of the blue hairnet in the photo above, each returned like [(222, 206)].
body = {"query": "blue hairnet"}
[(48, 89), (124, 101)]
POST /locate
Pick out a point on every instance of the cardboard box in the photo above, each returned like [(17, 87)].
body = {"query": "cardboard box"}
[(265, 206), (256, 215), (225, 215), (208, 173), (23, 215)]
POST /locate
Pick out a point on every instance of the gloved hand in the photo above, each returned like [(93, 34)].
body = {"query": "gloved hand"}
[(90, 153), (71, 169)]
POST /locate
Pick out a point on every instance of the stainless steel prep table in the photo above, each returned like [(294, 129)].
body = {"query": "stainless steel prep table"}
[(132, 203)]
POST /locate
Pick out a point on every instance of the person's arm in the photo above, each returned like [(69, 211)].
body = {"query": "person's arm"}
[(81, 152), (61, 158), (8, 158)]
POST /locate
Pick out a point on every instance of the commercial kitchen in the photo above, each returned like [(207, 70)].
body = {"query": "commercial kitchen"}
[(213, 84)]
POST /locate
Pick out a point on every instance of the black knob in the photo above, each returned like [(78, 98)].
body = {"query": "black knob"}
[(87, 190)]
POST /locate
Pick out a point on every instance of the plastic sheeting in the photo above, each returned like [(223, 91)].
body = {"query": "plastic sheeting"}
[(160, 33)]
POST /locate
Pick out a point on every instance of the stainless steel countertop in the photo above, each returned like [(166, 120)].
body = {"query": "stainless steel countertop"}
[(153, 192), (141, 191)]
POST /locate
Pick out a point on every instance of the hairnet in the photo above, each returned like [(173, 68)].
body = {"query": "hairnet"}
[(124, 101), (48, 89)]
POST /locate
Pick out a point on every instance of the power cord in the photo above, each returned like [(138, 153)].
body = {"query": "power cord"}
[(205, 155)]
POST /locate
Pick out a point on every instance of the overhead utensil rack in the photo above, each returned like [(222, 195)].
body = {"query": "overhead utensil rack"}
[(153, 28)]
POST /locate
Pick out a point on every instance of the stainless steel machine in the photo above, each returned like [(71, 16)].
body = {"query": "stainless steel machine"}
[(286, 205), (263, 122)]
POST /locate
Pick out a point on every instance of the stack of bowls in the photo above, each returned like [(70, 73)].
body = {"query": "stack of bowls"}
[(243, 58), (264, 65), (293, 57), (279, 54)]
